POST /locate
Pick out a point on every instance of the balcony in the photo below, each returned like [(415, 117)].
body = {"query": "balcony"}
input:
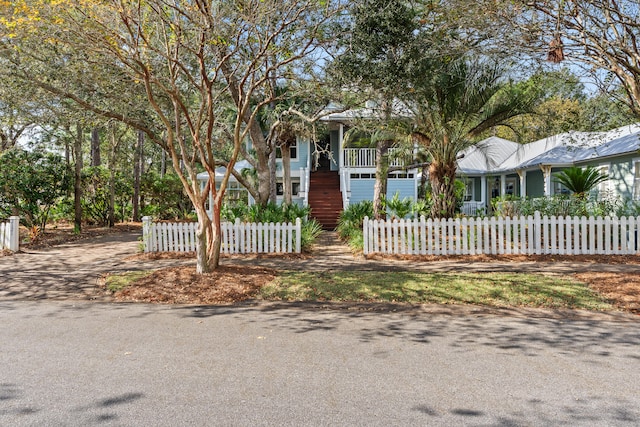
[(366, 158)]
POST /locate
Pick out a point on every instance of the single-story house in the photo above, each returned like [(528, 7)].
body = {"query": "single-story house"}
[(495, 167)]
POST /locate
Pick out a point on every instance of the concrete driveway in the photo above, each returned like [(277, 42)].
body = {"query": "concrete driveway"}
[(89, 363)]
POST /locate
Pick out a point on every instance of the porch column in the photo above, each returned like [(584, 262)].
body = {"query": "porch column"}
[(340, 147), (483, 190), (523, 182), (503, 185), (304, 185), (546, 171)]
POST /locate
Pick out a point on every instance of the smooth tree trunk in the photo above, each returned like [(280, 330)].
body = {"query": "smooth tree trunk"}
[(382, 170), (95, 147), (273, 195), (286, 173), (137, 159), (442, 177), (67, 148), (112, 155), (77, 185), (112, 199)]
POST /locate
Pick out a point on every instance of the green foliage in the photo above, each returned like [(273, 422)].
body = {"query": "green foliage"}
[(380, 46), (459, 190), (63, 210), (351, 219), (631, 208), (311, 229), (557, 205), (453, 105), (95, 194), (421, 207), (31, 182), (164, 196), (399, 208), (275, 213), (579, 180)]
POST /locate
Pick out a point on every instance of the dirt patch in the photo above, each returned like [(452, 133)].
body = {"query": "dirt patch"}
[(153, 256), (63, 233), (622, 290), (182, 285)]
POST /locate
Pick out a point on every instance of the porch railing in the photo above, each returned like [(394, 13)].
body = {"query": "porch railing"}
[(472, 208), (366, 158)]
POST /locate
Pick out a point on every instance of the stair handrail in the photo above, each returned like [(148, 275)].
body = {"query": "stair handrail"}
[(344, 187), (307, 182)]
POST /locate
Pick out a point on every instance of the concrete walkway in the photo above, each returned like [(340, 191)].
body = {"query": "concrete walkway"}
[(73, 270)]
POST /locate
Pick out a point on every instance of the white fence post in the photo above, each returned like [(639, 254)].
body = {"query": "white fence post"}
[(298, 235), (14, 233), (524, 235), (146, 233), (10, 234)]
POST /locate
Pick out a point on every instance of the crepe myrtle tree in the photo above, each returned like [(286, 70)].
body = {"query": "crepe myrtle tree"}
[(193, 76), (598, 37)]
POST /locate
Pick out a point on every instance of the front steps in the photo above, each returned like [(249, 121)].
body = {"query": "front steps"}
[(325, 198)]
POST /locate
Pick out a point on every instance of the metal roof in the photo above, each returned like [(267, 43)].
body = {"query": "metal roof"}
[(565, 149)]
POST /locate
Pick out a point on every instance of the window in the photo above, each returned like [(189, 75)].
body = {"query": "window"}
[(399, 175), (295, 188), (293, 150), (510, 186), (468, 190), (636, 179)]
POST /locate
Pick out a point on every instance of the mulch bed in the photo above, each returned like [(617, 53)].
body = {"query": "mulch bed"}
[(182, 285)]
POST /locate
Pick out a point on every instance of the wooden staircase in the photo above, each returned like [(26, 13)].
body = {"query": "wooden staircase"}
[(325, 198)]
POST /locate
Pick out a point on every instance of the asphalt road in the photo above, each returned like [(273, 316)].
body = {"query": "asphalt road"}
[(86, 363)]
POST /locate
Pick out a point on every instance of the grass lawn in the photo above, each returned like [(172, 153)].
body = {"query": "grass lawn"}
[(490, 289)]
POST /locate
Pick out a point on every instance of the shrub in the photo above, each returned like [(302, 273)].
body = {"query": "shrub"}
[(310, 232), (275, 213), (31, 183), (164, 196), (558, 205), (352, 218), (399, 208)]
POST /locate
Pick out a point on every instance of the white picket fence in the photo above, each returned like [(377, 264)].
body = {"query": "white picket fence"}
[(499, 236), (9, 234), (237, 237)]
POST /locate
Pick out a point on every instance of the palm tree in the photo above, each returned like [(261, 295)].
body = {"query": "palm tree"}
[(453, 106), (581, 181)]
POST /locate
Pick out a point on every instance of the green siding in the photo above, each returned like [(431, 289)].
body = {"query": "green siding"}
[(535, 184), (621, 174), (477, 192)]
